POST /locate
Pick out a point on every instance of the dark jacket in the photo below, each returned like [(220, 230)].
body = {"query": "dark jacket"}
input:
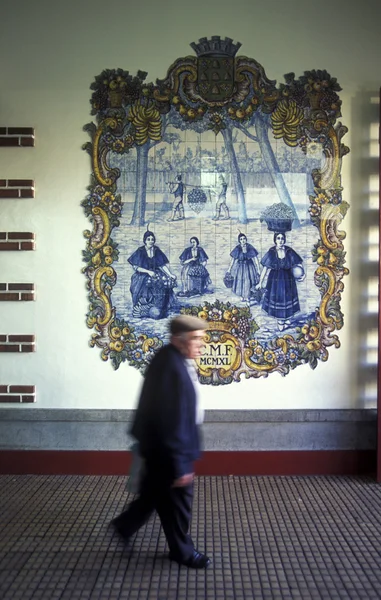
[(165, 420)]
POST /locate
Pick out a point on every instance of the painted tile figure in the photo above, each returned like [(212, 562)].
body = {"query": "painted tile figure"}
[(221, 204), (194, 275), (152, 282), (177, 189), (244, 268), (283, 266)]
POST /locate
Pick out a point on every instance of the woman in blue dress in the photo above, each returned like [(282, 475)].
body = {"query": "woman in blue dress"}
[(152, 282), (281, 297), (244, 268), (194, 276)]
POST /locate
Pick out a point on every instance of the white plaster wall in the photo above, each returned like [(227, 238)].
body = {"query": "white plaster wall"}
[(49, 55)]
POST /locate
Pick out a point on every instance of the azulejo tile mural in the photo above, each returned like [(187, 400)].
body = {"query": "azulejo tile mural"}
[(215, 192)]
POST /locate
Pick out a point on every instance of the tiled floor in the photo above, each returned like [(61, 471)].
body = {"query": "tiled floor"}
[(269, 537)]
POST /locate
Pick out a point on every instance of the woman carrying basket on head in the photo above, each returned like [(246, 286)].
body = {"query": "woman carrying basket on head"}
[(281, 298)]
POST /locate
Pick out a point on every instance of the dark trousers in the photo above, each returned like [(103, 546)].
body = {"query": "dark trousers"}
[(173, 506)]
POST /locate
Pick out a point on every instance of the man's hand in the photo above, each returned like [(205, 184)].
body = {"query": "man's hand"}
[(184, 480)]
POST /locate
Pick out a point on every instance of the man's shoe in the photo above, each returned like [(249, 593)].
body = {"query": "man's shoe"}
[(195, 561), (115, 524)]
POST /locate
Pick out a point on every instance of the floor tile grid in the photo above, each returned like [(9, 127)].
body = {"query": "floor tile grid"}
[(68, 505), (311, 552), (224, 574), (276, 511), (268, 542), (279, 541), (365, 549), (106, 556), (344, 531), (244, 557), (331, 543)]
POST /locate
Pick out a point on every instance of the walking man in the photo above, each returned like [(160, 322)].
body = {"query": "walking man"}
[(166, 426), (178, 203), (221, 204)]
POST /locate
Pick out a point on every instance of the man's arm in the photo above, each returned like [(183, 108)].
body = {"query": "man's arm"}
[(174, 423)]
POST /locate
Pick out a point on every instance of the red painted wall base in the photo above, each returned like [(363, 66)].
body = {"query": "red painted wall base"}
[(324, 462)]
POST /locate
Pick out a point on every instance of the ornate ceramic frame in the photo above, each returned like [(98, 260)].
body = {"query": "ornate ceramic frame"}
[(131, 117)]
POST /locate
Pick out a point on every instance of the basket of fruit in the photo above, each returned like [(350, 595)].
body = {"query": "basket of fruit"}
[(278, 217)]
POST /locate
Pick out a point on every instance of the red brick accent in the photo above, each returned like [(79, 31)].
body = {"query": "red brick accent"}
[(16, 188), (28, 398), (17, 393), (10, 292), (20, 130), (4, 398), (21, 338), (27, 142), (17, 343), (7, 246), (19, 183), (16, 136), (17, 240), (16, 287), (9, 297), (21, 235), (9, 348), (8, 142), (27, 193), (27, 246), (28, 348), (21, 389), (9, 193)]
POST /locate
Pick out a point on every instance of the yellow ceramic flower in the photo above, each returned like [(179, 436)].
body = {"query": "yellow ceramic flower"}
[(96, 260), (253, 343), (269, 356), (117, 346), (314, 331), (313, 345), (322, 199), (116, 332)]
